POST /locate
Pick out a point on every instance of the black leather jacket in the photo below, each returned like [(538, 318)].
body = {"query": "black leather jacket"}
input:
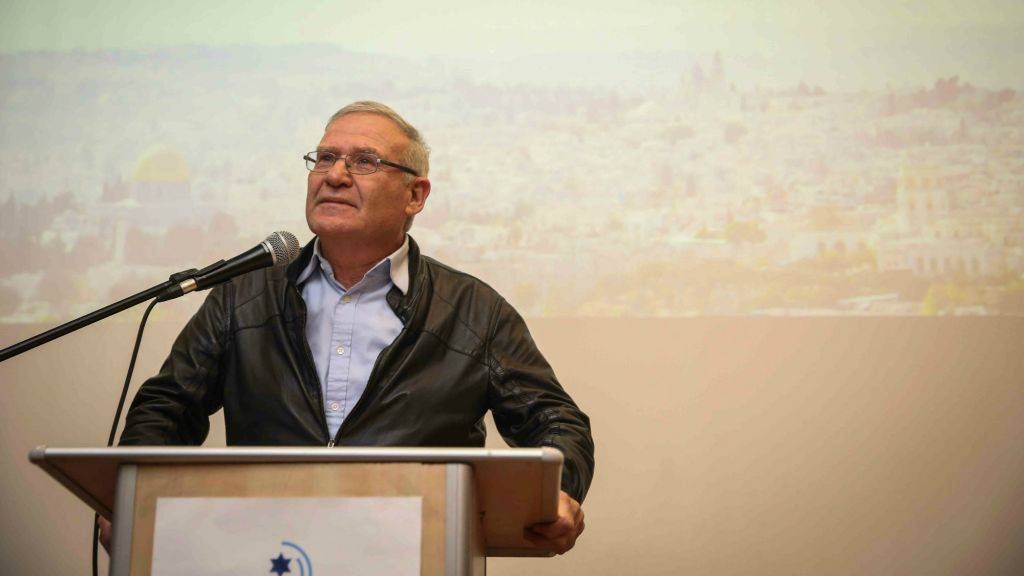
[(463, 350)]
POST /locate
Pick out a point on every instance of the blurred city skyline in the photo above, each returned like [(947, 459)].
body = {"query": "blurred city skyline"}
[(699, 197), (721, 158)]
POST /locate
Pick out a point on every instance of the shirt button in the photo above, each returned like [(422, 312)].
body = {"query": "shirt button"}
[(346, 299), (341, 350), (335, 406)]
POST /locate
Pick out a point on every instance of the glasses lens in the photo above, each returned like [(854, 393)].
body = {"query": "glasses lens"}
[(363, 163), (324, 160)]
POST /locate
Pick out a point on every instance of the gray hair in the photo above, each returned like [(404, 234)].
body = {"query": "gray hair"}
[(416, 155)]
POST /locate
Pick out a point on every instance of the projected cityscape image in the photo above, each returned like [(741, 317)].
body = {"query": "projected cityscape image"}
[(700, 193)]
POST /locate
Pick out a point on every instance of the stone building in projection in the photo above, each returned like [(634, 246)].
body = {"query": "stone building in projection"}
[(945, 227)]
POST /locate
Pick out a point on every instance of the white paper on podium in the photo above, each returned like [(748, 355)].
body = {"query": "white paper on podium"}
[(295, 536)]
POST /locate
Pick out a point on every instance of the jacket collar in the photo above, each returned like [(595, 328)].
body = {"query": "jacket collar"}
[(299, 264), (401, 303), (397, 265)]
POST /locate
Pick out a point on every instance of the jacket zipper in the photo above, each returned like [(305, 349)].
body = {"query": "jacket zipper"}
[(311, 362)]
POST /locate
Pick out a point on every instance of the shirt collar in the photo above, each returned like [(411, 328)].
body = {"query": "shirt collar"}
[(398, 265)]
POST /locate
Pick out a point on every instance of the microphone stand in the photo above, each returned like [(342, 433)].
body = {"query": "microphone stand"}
[(53, 333), (168, 290)]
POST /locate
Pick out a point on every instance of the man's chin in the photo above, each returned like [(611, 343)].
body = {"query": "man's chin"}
[(334, 227)]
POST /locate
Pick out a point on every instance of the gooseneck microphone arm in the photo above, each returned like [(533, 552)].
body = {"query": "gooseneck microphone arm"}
[(67, 328)]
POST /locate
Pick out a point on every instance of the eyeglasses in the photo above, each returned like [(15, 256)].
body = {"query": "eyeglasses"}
[(361, 163)]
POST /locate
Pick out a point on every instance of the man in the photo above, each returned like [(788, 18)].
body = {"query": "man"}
[(362, 340)]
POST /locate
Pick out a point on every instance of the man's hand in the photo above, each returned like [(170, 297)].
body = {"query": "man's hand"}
[(559, 536), (106, 531)]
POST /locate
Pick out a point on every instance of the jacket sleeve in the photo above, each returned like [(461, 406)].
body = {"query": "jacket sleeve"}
[(530, 407), (174, 406)]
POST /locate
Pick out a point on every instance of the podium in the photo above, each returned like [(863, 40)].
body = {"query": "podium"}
[(474, 502)]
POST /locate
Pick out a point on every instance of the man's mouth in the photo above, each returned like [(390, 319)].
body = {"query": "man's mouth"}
[(341, 201)]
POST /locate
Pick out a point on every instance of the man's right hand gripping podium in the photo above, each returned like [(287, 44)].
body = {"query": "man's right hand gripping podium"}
[(364, 341)]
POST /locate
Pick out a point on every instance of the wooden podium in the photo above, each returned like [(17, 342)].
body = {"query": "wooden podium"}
[(475, 502)]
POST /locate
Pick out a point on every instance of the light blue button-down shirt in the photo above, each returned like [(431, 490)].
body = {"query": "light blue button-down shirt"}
[(347, 329)]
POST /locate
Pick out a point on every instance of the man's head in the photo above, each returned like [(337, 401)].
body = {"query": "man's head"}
[(374, 208), (416, 154)]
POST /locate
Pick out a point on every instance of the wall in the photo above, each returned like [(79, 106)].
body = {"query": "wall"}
[(725, 445)]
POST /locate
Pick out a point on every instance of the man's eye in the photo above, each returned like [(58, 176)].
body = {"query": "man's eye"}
[(364, 160), (326, 158)]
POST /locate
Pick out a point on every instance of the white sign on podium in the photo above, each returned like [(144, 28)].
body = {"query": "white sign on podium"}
[(370, 536)]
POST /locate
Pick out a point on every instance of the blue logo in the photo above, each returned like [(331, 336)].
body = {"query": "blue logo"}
[(283, 564)]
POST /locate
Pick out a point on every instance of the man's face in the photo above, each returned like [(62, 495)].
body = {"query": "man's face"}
[(370, 208)]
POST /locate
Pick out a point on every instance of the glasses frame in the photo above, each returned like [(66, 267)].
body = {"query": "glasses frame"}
[(311, 161)]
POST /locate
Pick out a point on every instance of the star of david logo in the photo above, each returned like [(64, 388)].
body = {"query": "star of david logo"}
[(280, 564)]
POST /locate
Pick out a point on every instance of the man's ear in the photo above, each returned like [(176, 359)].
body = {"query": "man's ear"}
[(420, 189)]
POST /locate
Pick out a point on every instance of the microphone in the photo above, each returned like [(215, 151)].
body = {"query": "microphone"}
[(278, 249)]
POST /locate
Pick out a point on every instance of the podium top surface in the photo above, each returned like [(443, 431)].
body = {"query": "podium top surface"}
[(505, 478), (181, 454)]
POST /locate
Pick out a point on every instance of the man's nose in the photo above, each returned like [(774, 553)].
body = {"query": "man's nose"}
[(338, 174)]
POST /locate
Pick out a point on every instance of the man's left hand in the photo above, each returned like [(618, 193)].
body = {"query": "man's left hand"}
[(559, 536)]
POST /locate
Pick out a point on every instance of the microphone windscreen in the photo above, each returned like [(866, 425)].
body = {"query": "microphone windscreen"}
[(284, 247)]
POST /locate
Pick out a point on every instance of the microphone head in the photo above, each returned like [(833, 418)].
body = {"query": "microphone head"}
[(284, 247)]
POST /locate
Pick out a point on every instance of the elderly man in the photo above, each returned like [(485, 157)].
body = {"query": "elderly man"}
[(363, 340)]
